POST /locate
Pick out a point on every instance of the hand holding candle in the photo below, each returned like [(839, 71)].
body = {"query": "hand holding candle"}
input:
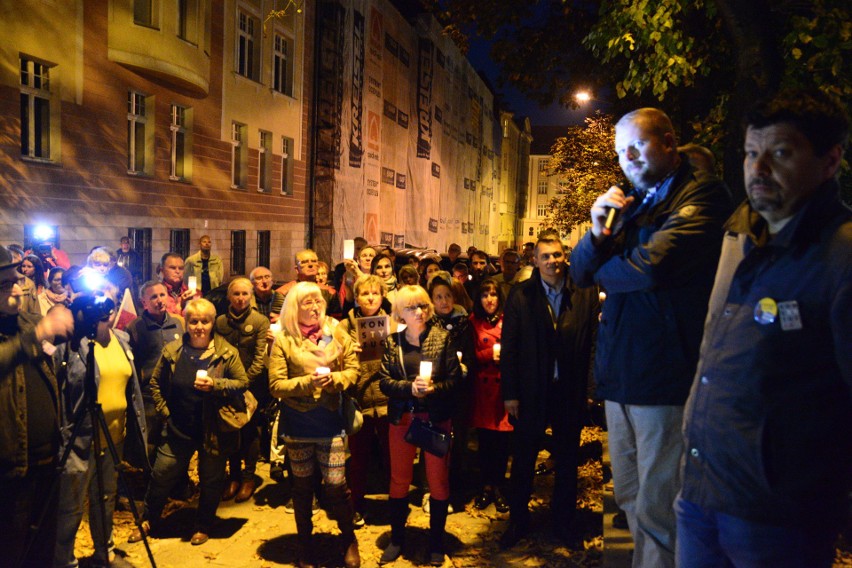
[(423, 382), (321, 379), (202, 381), (349, 249), (192, 283)]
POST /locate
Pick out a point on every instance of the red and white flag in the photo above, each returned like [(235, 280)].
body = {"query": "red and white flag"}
[(126, 311)]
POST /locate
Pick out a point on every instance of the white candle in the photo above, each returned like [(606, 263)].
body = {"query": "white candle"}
[(601, 296), (426, 369), (192, 282), (201, 374), (496, 349), (349, 249), (459, 355), (275, 327), (323, 370)]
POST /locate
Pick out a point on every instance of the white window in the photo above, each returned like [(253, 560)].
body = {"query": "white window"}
[(282, 65), (264, 176), (140, 139), (542, 165), (542, 210), (35, 109), (542, 187), (248, 46), (187, 20), (181, 155), (239, 153), (286, 166)]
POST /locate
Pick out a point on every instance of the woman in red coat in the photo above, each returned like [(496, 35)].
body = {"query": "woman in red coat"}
[(488, 415)]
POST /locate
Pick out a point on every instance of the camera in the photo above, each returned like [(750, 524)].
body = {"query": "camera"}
[(91, 306)]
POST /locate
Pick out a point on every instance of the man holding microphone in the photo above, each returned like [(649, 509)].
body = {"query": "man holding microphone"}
[(656, 263)]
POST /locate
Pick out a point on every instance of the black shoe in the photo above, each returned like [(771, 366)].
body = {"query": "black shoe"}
[(358, 520), (484, 499), (500, 504), (619, 521), (514, 533), (276, 472)]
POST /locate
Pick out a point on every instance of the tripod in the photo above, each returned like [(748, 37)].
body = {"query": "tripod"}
[(91, 407)]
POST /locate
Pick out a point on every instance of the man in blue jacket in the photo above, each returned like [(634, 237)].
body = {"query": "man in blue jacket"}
[(656, 266), (768, 426)]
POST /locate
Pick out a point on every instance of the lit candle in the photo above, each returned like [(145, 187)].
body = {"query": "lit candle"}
[(201, 374), (601, 296), (275, 327), (323, 370), (192, 283), (459, 355), (426, 369), (496, 349), (349, 249)]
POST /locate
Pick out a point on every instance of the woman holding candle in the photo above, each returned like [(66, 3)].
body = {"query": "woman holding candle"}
[(310, 365), (194, 377), (419, 374), (488, 415), (370, 298)]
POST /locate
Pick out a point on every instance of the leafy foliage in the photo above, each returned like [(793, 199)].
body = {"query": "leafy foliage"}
[(586, 164)]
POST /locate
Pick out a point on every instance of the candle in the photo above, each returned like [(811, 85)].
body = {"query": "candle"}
[(349, 249), (459, 355), (601, 296), (201, 374), (192, 282), (496, 350), (426, 369), (323, 370), (275, 327)]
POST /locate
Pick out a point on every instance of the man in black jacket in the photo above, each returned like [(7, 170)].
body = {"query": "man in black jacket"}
[(547, 343), (29, 423), (657, 269)]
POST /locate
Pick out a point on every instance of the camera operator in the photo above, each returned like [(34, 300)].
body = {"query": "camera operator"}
[(29, 421), (117, 389)]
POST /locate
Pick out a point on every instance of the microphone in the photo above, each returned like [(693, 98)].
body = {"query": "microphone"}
[(612, 213)]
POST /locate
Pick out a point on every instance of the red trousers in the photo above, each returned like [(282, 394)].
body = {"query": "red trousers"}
[(402, 461)]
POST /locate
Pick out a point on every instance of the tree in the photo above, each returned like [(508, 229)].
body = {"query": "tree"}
[(704, 61), (587, 166)]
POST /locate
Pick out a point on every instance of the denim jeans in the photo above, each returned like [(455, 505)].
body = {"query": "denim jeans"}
[(645, 446), (173, 457), (73, 487), (707, 539)]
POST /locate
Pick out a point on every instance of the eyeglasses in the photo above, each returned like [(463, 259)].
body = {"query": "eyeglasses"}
[(308, 261), (263, 277), (310, 303), (414, 308)]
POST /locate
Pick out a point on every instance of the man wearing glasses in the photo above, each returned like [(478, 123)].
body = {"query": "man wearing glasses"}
[(267, 301)]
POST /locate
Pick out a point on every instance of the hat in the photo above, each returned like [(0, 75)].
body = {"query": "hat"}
[(6, 259)]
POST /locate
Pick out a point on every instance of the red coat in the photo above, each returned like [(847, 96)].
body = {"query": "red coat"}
[(487, 410)]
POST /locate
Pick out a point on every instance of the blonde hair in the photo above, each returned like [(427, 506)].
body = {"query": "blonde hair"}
[(408, 295), (239, 280), (370, 280), (290, 310), (199, 307)]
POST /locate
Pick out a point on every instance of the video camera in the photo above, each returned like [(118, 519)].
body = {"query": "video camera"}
[(91, 306)]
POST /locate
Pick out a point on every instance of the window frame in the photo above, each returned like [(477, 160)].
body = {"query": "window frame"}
[(238, 252), (134, 120), (287, 149), (264, 162), (288, 59), (247, 57), (239, 155), (178, 128), (37, 83)]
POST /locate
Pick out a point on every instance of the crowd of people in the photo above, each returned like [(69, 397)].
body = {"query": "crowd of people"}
[(717, 337)]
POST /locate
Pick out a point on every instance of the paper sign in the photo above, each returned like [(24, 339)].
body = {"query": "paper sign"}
[(349, 249), (371, 332)]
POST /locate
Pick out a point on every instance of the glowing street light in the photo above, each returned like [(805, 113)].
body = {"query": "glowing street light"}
[(582, 96)]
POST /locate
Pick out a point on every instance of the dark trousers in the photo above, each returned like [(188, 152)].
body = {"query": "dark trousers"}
[(249, 452), (493, 456), (564, 419), (173, 457), (362, 453), (21, 501)]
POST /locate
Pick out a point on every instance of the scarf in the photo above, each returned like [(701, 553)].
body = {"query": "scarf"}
[(56, 298), (391, 283), (311, 332)]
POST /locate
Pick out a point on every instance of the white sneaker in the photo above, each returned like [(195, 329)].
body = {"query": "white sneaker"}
[(425, 505)]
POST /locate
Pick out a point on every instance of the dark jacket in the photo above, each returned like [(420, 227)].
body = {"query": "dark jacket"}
[(434, 346), (768, 424), (532, 344), (14, 350), (147, 339), (229, 379), (657, 271), (71, 372), (247, 332)]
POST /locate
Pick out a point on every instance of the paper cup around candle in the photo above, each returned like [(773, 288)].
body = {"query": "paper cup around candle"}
[(349, 249), (323, 370), (192, 282), (201, 374), (496, 349), (275, 327), (601, 296), (459, 355), (426, 369)]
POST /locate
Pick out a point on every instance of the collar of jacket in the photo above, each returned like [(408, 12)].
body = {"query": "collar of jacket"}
[(173, 349), (805, 226)]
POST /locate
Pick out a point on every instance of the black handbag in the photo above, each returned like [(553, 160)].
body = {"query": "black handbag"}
[(428, 437)]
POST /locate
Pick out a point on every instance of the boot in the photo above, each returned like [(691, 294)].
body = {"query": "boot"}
[(437, 524), (303, 496), (340, 501), (398, 515)]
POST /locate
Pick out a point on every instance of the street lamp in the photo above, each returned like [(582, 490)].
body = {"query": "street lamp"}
[(582, 97)]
